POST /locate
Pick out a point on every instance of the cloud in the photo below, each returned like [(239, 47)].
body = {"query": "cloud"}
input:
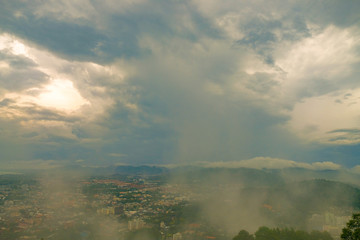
[(326, 166), (179, 81), (61, 31), (319, 64), (101, 31), (65, 102), (356, 169), (330, 119), (274, 163), (119, 155), (32, 165)]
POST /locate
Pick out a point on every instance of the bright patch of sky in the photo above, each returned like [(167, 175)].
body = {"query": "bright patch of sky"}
[(60, 94)]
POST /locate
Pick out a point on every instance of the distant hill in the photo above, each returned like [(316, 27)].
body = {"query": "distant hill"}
[(299, 174), (243, 176), (324, 193), (118, 170), (308, 193), (140, 170), (296, 202), (253, 196)]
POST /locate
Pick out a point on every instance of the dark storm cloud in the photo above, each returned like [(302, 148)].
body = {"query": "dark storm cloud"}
[(77, 39), (262, 33), (342, 13), (22, 73), (81, 39)]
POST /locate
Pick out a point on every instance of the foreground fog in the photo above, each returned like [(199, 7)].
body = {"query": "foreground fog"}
[(162, 203)]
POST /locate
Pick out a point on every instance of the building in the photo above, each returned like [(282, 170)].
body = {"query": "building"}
[(136, 224), (177, 236), (118, 210), (106, 211)]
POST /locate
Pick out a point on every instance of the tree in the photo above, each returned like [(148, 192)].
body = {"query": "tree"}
[(243, 235), (265, 233), (352, 230), (320, 235)]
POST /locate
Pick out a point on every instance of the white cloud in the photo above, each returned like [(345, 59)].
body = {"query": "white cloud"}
[(356, 169), (318, 118), (325, 166), (310, 77), (11, 44), (273, 163), (318, 61), (307, 83)]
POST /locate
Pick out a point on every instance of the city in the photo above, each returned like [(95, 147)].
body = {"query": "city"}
[(99, 207), (125, 207)]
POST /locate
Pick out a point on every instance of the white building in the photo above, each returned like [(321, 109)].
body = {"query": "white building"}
[(177, 236), (136, 224)]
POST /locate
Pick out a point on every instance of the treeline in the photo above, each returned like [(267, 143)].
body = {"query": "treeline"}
[(265, 233)]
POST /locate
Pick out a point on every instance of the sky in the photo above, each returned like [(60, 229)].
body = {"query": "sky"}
[(174, 82)]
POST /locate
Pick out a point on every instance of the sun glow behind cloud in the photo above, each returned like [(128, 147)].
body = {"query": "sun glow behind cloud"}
[(49, 97), (58, 93), (9, 43), (61, 94), (56, 90)]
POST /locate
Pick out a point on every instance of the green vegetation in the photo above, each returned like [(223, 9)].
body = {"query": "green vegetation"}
[(352, 230), (144, 234), (244, 235), (265, 233)]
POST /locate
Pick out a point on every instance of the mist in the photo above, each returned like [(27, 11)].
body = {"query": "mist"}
[(159, 203), (234, 199)]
